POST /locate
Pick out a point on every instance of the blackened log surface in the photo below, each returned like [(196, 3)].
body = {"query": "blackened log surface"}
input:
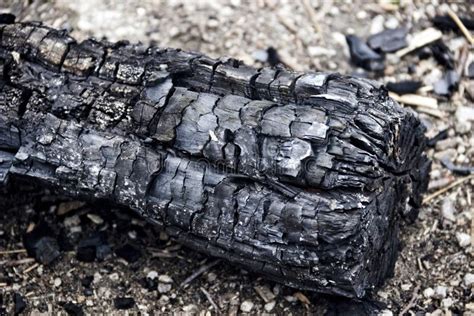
[(302, 177)]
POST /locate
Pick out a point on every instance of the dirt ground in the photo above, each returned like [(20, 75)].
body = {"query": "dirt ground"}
[(435, 270)]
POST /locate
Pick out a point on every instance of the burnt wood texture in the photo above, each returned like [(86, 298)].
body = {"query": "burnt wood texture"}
[(301, 177)]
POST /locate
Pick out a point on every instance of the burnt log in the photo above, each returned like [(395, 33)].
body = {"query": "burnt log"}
[(301, 177)]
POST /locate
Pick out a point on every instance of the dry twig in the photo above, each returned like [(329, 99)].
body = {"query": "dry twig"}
[(209, 298), (447, 188), (199, 271), (412, 301), (461, 26)]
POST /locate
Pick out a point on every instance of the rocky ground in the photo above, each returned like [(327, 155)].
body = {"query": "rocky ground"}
[(143, 271)]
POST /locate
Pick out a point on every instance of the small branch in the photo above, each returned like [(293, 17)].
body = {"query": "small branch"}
[(9, 252), (198, 272), (209, 298), (412, 301)]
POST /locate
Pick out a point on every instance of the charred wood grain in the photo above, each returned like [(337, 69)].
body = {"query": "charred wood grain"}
[(302, 177)]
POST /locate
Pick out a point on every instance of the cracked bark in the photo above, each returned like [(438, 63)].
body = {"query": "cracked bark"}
[(302, 177)]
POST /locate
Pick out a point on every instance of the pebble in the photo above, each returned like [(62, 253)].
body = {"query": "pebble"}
[(191, 308), (449, 153), (447, 209), (72, 221), (318, 51), (406, 287), (211, 277), (269, 306), (428, 292), (464, 239), (96, 219), (447, 302), (152, 275), (392, 23), (440, 292), (57, 282), (97, 277), (114, 277), (468, 279), (465, 113), (164, 287), (246, 306), (163, 278), (66, 207), (377, 24)]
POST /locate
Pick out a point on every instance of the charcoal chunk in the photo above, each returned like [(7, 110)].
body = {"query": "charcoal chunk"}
[(73, 309), (446, 23), (41, 244), (388, 41), (124, 302), (20, 303), (363, 56), (129, 252), (404, 87)]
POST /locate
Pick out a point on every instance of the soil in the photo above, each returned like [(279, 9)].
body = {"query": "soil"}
[(434, 272)]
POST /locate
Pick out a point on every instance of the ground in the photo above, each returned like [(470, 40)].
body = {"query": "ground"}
[(434, 270)]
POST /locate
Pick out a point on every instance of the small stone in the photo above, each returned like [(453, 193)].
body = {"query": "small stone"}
[(428, 292), (468, 279), (406, 287), (114, 277), (447, 302), (97, 277), (246, 306), (265, 293), (290, 299), (191, 308), (440, 292), (392, 23), (211, 277), (386, 312), (163, 278), (449, 154), (447, 209), (152, 275), (57, 282), (96, 219), (269, 306), (67, 207), (465, 113), (464, 239), (72, 221), (377, 24), (164, 287)]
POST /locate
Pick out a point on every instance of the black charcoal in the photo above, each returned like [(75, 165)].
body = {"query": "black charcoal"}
[(287, 174), (124, 302), (388, 41), (363, 56), (446, 23), (404, 87), (41, 244), (20, 303), (73, 309)]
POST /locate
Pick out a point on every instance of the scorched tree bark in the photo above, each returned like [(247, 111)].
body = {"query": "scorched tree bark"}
[(302, 177)]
